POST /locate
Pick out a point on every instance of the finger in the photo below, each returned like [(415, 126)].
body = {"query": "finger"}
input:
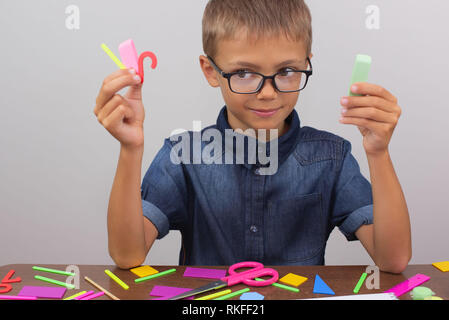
[(365, 88), (110, 88), (369, 113), (116, 117), (110, 106), (369, 101), (371, 125)]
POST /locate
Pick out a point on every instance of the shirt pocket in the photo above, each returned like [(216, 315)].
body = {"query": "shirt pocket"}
[(296, 230)]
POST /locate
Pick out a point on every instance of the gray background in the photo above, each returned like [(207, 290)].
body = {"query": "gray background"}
[(57, 162)]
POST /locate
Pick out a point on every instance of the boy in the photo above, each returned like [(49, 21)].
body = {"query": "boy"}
[(259, 53)]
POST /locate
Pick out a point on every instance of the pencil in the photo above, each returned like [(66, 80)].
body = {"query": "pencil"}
[(112, 56), (116, 279), (96, 285), (159, 274)]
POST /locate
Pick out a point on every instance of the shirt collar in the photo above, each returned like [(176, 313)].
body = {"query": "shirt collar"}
[(286, 142)]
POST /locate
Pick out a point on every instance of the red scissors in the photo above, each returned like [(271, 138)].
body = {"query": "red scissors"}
[(247, 277)]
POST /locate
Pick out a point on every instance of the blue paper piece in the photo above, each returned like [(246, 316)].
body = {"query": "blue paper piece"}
[(251, 296), (321, 287)]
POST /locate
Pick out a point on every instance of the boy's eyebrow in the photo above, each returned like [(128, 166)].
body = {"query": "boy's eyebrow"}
[(252, 65)]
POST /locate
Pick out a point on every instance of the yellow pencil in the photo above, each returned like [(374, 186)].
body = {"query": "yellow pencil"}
[(116, 279), (112, 56)]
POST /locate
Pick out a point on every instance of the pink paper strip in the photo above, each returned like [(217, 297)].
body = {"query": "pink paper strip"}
[(204, 273), (165, 292), (42, 292), (93, 296), (408, 284), (88, 293), (17, 297)]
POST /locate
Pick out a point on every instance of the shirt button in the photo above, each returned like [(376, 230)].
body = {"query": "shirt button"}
[(253, 229), (257, 171)]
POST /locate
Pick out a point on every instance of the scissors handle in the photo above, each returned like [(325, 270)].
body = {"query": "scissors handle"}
[(248, 277)]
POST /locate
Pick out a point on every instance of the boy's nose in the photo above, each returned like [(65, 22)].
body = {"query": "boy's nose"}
[(268, 89)]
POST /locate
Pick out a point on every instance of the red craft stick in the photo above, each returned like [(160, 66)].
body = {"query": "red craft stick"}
[(7, 278)]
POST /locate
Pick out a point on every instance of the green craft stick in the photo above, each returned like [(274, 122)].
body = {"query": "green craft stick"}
[(232, 294), (65, 273), (59, 283), (159, 274), (282, 286), (360, 71), (359, 284)]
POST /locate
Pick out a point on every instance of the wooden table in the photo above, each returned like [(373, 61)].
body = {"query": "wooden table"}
[(341, 279)]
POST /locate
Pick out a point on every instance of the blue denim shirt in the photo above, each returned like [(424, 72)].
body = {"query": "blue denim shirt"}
[(228, 213)]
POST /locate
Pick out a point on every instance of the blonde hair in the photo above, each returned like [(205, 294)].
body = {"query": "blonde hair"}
[(222, 20)]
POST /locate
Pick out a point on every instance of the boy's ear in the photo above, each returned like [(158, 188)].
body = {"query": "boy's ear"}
[(209, 71)]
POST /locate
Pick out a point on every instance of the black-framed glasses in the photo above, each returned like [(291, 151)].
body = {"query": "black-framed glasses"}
[(248, 82)]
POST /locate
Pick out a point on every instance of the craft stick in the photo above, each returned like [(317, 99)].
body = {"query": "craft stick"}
[(88, 293), (282, 286), (233, 294), (215, 295), (65, 273), (59, 283), (359, 284), (96, 285), (112, 56), (116, 279), (17, 297), (163, 273), (93, 296), (75, 295)]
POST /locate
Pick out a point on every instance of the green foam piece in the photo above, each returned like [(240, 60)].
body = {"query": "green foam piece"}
[(420, 293), (360, 71)]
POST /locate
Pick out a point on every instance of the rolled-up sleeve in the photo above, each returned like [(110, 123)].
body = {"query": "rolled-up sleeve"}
[(164, 193), (353, 200)]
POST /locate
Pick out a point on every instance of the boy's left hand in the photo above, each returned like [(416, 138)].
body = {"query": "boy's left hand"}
[(375, 113)]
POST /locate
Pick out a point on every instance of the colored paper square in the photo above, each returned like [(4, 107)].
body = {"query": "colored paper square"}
[(293, 279), (443, 265), (165, 292), (204, 273), (143, 271), (42, 292)]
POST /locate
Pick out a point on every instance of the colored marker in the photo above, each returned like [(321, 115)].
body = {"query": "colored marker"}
[(116, 279), (361, 281), (233, 294), (59, 283), (65, 273), (163, 273), (113, 56)]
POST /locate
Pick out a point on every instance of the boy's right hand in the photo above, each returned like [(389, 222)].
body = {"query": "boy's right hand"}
[(122, 116)]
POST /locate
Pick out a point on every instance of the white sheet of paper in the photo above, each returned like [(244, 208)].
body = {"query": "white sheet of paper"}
[(372, 296)]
